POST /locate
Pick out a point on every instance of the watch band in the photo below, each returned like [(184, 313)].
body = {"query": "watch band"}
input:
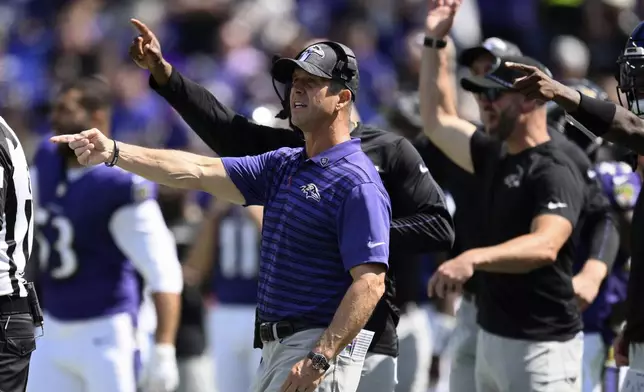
[(434, 43), (319, 361)]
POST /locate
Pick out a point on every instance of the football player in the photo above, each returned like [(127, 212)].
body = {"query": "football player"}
[(228, 243), (98, 227)]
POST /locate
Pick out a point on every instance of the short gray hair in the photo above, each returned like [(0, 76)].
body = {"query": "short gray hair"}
[(336, 86)]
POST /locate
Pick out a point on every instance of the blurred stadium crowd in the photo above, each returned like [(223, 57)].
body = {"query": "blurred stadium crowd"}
[(227, 46)]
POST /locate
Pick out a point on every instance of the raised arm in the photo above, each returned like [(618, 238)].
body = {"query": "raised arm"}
[(176, 169), (224, 131), (441, 123)]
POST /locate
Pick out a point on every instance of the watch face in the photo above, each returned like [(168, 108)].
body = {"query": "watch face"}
[(319, 362)]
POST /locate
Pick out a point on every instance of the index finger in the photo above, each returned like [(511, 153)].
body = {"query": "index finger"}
[(62, 138), (521, 67), (142, 28)]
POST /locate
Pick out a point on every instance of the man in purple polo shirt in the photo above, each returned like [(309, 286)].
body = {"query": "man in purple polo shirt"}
[(326, 213)]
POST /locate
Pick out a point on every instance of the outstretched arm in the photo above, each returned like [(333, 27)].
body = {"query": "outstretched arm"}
[(172, 168), (224, 131)]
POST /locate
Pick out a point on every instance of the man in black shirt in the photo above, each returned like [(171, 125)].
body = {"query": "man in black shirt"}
[(599, 236), (421, 222), (532, 195), (619, 125)]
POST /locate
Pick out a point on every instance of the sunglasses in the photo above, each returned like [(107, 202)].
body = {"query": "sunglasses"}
[(491, 94)]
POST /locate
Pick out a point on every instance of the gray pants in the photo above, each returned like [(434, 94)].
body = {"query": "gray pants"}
[(414, 337), (633, 379), (509, 365), (195, 374), (278, 357), (464, 338), (378, 373), (636, 356)]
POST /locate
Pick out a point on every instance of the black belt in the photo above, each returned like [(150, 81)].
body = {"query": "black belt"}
[(269, 332), (14, 305)]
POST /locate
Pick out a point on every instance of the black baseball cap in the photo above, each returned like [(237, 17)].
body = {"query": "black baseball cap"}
[(320, 59), (495, 46), (501, 77)]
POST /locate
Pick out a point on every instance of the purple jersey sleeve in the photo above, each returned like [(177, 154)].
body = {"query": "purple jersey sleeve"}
[(363, 226), (620, 184), (141, 190), (251, 175)]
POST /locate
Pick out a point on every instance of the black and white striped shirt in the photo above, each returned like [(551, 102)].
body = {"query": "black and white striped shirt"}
[(16, 209)]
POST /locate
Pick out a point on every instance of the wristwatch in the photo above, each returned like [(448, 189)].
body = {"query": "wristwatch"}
[(318, 361)]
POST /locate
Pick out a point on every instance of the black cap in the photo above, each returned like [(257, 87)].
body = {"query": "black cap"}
[(497, 47), (501, 77), (320, 59)]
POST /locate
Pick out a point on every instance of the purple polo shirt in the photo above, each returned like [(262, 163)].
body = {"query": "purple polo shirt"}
[(323, 216)]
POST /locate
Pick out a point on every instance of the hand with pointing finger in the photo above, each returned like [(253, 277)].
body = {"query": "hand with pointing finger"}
[(91, 147), (145, 51), (536, 84)]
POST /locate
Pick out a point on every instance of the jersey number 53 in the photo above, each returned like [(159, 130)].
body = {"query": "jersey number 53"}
[(61, 243)]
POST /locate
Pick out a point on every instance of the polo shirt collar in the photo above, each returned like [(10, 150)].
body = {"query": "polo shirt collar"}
[(337, 152)]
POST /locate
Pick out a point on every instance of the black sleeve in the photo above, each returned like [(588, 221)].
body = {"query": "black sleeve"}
[(224, 131), (6, 165), (485, 151), (430, 227), (437, 162), (558, 190), (603, 238), (600, 232)]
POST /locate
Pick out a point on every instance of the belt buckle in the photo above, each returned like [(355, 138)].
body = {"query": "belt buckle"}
[(268, 332)]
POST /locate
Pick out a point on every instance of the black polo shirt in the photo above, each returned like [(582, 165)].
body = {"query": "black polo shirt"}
[(539, 305)]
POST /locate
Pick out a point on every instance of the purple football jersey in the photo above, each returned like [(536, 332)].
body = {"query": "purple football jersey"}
[(237, 259), (83, 272)]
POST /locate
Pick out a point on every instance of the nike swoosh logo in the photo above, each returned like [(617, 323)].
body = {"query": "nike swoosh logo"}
[(374, 244), (552, 206), (423, 169)]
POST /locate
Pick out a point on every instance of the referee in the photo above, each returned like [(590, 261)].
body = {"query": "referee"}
[(16, 320), (620, 125), (421, 222)]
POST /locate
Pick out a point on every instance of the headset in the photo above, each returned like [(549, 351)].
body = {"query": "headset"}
[(344, 70)]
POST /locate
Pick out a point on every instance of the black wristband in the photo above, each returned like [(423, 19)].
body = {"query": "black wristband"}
[(595, 114), (115, 158), (434, 43)]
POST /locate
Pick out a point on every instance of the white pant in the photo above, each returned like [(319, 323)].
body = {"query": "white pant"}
[(593, 362), (464, 340), (415, 345), (195, 374), (379, 373), (230, 334), (509, 365), (85, 356)]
